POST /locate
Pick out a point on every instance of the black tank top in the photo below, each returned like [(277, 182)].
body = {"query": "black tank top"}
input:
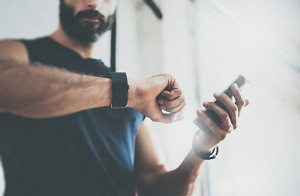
[(86, 153)]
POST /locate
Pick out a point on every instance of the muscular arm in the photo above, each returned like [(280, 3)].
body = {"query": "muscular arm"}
[(152, 176), (38, 91)]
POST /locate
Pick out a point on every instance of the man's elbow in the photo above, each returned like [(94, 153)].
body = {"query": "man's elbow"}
[(5, 106), (150, 179)]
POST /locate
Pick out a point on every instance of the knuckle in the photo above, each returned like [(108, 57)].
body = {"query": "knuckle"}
[(177, 94), (210, 105), (224, 116), (242, 102), (222, 136), (222, 97), (166, 95), (235, 108), (180, 93)]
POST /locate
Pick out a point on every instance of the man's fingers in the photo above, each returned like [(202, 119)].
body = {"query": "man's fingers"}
[(217, 132), (175, 109), (223, 115), (170, 95), (171, 104), (240, 102), (231, 107)]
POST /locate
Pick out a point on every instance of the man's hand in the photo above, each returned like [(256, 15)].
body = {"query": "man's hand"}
[(153, 95), (207, 141)]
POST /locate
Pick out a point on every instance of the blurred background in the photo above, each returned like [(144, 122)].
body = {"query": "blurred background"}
[(205, 44)]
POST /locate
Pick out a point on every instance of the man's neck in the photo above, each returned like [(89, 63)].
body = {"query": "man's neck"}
[(85, 50)]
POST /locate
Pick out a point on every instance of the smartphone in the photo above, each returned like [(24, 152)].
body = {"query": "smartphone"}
[(243, 85)]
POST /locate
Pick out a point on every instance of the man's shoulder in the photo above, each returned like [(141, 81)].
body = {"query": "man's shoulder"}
[(13, 50), (38, 40)]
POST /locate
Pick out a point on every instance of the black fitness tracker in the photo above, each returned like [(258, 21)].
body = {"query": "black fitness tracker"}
[(119, 90)]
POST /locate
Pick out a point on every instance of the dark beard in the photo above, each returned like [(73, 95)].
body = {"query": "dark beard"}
[(86, 32)]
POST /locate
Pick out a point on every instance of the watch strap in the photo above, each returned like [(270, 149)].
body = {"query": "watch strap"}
[(119, 90)]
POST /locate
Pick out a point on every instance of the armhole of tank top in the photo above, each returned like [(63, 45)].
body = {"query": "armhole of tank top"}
[(34, 49), (28, 49)]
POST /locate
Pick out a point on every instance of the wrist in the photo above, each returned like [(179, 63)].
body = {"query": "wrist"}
[(132, 94), (205, 151), (202, 142), (202, 146)]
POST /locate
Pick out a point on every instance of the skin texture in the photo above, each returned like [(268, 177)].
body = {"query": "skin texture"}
[(39, 91), (64, 89), (152, 175)]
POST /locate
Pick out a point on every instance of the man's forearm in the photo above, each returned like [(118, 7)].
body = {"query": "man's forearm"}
[(179, 181), (38, 91)]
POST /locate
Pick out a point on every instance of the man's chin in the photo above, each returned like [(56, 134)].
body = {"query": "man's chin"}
[(86, 32), (90, 39), (89, 23)]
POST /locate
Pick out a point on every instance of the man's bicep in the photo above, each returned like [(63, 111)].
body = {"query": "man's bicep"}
[(149, 158), (15, 51)]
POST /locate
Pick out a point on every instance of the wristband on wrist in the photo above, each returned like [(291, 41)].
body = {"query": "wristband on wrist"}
[(119, 90), (203, 155)]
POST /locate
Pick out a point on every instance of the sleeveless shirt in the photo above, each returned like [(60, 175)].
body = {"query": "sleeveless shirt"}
[(87, 153)]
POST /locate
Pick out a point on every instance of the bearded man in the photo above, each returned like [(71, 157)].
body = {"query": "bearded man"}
[(70, 126)]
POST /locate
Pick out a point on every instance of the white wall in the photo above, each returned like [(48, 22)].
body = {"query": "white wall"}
[(262, 157)]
